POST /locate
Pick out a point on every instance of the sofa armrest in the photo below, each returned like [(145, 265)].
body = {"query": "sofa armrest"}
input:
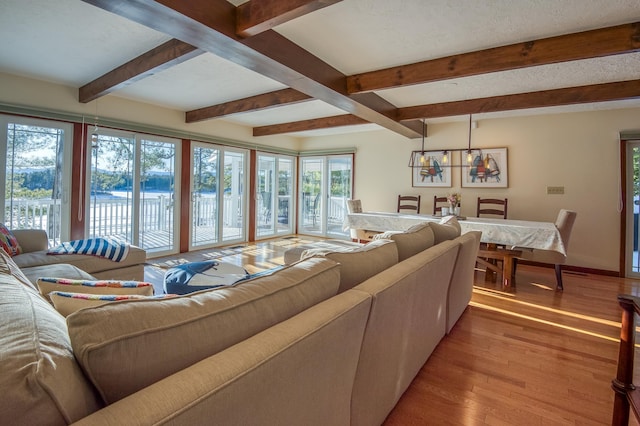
[(31, 239)]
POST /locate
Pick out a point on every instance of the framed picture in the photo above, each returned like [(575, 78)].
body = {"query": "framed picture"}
[(488, 169), (430, 173)]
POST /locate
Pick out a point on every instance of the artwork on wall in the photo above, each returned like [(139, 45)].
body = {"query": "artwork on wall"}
[(488, 169), (431, 173)]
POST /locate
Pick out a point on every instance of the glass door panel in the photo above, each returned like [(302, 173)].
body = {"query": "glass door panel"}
[(233, 206), (111, 200), (326, 185), (36, 179), (633, 208), (274, 195), (265, 186), (340, 184), (157, 195), (312, 176), (204, 205), (286, 172)]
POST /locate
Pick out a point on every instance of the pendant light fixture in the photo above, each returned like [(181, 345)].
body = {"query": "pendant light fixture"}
[(469, 156), (422, 159)]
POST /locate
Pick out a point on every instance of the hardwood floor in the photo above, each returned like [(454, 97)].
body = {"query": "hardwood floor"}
[(527, 356)]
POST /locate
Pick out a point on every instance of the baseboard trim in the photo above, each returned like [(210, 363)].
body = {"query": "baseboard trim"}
[(574, 269)]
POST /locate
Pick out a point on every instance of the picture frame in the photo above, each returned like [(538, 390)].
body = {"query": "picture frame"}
[(432, 173), (488, 169)]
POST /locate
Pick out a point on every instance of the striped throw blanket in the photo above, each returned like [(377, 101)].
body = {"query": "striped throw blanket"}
[(102, 247)]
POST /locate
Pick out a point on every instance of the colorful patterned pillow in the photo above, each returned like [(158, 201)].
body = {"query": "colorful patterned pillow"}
[(46, 285), (9, 242), (68, 303)]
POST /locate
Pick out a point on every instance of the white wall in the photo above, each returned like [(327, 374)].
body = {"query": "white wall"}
[(576, 150), (22, 91)]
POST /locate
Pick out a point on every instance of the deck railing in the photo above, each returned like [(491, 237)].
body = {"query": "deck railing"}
[(110, 216)]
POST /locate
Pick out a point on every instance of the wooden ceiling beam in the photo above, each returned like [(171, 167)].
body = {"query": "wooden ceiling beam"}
[(256, 16), (617, 91), (210, 25), (155, 60), (314, 124), (252, 103), (588, 44)]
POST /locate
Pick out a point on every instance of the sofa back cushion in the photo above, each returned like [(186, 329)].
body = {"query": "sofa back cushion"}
[(125, 346), (447, 229), (359, 263), (410, 242), (407, 321), (461, 287), (39, 376)]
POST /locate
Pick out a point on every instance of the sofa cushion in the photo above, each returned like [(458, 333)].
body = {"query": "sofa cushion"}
[(447, 229), (68, 303), (46, 285), (88, 263), (410, 242), (9, 242), (359, 263), (40, 378), (160, 337), (58, 270)]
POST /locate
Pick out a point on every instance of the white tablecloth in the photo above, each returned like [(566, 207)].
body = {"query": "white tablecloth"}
[(520, 233)]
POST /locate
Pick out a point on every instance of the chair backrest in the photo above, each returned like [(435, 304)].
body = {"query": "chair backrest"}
[(436, 208), (409, 202), (354, 206), (494, 206), (564, 223)]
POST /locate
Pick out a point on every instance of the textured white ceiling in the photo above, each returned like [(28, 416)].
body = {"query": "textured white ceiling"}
[(72, 43)]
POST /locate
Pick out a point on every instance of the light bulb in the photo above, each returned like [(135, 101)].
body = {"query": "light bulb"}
[(445, 158), (469, 157), (422, 159)]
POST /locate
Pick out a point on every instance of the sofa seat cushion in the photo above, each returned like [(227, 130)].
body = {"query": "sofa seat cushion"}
[(40, 378), (359, 263), (410, 242), (87, 263), (160, 337)]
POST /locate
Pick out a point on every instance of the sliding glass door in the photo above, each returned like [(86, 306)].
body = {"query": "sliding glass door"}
[(133, 187), (274, 195), (37, 159), (218, 200), (326, 184)]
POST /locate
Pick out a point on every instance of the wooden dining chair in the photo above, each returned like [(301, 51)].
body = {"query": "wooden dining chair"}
[(492, 206), (436, 200), (409, 202)]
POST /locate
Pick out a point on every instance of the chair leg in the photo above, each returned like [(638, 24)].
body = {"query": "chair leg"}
[(559, 286)]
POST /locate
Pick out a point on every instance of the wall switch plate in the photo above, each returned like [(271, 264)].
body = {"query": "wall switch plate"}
[(555, 190)]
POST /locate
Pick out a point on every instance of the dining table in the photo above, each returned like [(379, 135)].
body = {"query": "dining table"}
[(512, 235)]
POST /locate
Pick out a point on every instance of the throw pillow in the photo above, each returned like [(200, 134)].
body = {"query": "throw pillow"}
[(447, 229), (68, 303), (46, 285), (9, 242)]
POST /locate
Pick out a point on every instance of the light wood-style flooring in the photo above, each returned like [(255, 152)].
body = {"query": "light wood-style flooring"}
[(526, 356)]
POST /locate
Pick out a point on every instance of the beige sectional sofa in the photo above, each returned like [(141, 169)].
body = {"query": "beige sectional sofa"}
[(335, 339), (35, 262)]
